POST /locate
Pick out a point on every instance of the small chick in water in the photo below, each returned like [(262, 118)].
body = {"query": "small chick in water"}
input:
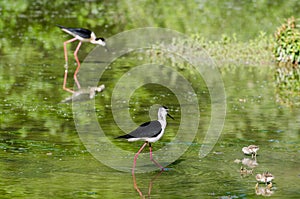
[(251, 149)]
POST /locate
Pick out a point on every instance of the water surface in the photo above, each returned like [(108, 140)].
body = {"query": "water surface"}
[(42, 155)]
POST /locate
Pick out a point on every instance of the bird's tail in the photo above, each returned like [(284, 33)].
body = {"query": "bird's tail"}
[(127, 136), (60, 26)]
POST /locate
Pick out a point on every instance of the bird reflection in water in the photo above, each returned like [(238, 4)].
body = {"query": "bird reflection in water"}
[(265, 190), (245, 172), (150, 184), (84, 94), (252, 163)]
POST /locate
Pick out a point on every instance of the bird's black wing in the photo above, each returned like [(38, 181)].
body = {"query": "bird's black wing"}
[(148, 129), (82, 32)]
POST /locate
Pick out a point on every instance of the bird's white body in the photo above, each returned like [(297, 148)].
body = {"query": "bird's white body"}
[(146, 139), (77, 36)]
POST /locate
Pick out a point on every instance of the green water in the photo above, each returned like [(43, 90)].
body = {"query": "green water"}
[(42, 154)]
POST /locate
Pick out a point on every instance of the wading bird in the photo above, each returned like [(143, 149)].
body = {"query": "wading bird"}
[(149, 132), (83, 35)]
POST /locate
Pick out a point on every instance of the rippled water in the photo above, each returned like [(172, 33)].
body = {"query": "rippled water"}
[(43, 162)]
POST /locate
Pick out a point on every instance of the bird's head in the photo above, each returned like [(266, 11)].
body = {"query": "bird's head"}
[(100, 41), (163, 110)]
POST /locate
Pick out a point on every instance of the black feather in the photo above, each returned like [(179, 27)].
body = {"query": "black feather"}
[(127, 136), (100, 38), (147, 129), (82, 32)]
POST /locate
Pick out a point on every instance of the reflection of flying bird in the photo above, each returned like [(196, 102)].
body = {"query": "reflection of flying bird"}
[(83, 35), (149, 132)]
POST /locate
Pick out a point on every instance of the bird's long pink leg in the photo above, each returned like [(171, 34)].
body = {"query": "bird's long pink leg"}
[(78, 64), (136, 156), (66, 65), (151, 158)]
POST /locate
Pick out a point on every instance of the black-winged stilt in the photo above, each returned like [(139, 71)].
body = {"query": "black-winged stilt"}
[(149, 132), (83, 35)]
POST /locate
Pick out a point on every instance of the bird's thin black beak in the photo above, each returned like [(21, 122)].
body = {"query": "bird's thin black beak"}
[(170, 116)]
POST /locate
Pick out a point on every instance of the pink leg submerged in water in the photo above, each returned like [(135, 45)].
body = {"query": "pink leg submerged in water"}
[(151, 158)]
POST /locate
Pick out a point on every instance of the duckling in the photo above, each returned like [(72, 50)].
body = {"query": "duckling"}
[(245, 171), (265, 177), (251, 149)]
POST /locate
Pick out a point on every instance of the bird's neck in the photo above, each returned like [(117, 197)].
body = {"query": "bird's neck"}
[(93, 41), (161, 116), (162, 120)]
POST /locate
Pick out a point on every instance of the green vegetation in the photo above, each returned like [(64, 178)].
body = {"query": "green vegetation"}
[(287, 43), (227, 51), (287, 54)]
